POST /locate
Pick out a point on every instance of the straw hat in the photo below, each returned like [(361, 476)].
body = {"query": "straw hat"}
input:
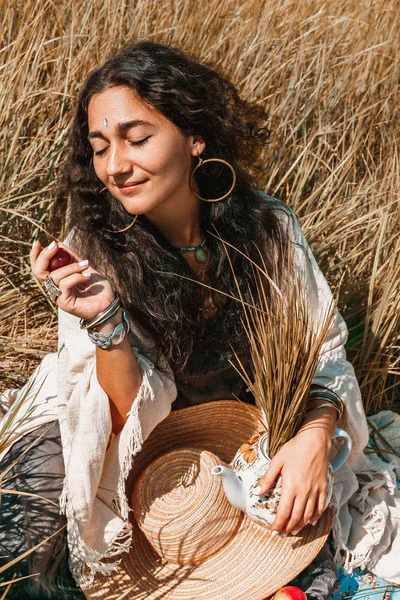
[(188, 541)]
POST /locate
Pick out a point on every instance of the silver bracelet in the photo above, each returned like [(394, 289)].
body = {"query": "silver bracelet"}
[(106, 317), (326, 405), (102, 316), (111, 338), (327, 395)]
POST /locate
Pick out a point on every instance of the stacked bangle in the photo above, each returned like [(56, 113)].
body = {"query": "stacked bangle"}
[(104, 315), (326, 405), (329, 400), (111, 338)]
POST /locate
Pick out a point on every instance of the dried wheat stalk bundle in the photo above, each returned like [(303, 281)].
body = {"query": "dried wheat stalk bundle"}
[(285, 341)]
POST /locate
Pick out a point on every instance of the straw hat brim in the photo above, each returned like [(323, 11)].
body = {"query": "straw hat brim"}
[(250, 567)]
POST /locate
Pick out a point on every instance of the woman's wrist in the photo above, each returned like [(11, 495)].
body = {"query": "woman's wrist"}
[(321, 397), (323, 421), (110, 324), (104, 315)]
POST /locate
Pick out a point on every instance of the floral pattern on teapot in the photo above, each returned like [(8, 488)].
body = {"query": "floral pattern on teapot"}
[(249, 464), (251, 458)]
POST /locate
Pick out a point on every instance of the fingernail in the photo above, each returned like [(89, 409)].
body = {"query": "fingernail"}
[(33, 245), (274, 533), (283, 535), (87, 274), (52, 245), (295, 531), (314, 522), (257, 490), (83, 263)]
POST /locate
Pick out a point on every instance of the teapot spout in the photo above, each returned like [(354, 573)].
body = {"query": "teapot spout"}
[(233, 486)]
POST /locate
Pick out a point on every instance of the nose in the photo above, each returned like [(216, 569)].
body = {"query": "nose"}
[(118, 161)]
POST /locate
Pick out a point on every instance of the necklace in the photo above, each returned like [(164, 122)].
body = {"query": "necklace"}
[(199, 254)]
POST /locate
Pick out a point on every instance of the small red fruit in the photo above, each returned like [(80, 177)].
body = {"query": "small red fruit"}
[(290, 592), (60, 259)]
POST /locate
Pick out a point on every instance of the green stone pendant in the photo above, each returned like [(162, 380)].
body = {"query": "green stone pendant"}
[(200, 255)]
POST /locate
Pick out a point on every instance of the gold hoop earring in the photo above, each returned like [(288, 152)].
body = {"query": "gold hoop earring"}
[(203, 162), (122, 230)]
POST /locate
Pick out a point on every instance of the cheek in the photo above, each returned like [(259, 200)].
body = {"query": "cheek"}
[(99, 169), (170, 159)]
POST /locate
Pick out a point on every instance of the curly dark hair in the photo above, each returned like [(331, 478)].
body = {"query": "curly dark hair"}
[(140, 263)]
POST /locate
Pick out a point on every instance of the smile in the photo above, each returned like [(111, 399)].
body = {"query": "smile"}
[(129, 187)]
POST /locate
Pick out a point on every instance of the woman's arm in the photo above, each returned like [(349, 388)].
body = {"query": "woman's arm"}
[(119, 375), (94, 491)]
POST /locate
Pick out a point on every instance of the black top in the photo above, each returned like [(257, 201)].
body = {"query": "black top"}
[(210, 376)]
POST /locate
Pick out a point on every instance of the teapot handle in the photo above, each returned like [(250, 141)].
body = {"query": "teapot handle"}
[(344, 452)]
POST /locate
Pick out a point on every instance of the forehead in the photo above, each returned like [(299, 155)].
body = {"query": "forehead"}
[(121, 104)]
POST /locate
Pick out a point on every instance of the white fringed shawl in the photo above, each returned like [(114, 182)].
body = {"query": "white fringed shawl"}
[(93, 497)]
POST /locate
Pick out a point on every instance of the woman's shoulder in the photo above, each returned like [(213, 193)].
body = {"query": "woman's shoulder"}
[(281, 210)]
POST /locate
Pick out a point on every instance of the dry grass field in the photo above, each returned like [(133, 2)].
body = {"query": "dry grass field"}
[(329, 74)]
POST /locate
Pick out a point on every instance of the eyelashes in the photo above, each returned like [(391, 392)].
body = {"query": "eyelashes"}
[(141, 142), (138, 143)]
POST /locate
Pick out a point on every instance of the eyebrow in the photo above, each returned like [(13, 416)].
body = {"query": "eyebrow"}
[(121, 128)]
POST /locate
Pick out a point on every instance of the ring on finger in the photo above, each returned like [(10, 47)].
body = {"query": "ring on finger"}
[(52, 290)]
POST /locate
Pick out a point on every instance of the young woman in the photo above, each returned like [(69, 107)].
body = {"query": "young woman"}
[(144, 219)]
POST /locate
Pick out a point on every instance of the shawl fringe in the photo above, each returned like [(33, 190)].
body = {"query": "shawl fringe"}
[(85, 561), (373, 520)]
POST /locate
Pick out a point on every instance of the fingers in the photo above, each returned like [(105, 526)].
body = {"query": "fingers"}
[(67, 283), (59, 275), (319, 508), (67, 297), (40, 261), (40, 258), (301, 515), (285, 509), (34, 253), (295, 513), (270, 476)]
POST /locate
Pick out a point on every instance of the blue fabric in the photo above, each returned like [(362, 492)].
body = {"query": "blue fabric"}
[(362, 585)]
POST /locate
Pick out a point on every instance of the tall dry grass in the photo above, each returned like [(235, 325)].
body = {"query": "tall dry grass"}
[(329, 73)]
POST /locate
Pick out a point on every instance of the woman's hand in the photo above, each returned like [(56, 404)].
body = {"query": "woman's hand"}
[(84, 292), (303, 465)]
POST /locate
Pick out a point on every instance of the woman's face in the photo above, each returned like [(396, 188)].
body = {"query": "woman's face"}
[(142, 158)]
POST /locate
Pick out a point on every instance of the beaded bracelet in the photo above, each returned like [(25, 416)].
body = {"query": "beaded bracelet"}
[(111, 338)]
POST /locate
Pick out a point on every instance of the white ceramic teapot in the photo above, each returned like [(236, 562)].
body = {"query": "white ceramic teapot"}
[(250, 463)]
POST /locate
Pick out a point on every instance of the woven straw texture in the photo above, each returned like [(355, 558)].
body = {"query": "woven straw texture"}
[(180, 507), (191, 543)]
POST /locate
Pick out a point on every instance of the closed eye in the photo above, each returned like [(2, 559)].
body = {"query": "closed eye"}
[(99, 152), (141, 142), (138, 143)]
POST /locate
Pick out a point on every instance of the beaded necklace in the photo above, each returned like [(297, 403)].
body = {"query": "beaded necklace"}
[(199, 254)]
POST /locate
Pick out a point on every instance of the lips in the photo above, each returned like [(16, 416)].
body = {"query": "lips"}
[(131, 185)]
